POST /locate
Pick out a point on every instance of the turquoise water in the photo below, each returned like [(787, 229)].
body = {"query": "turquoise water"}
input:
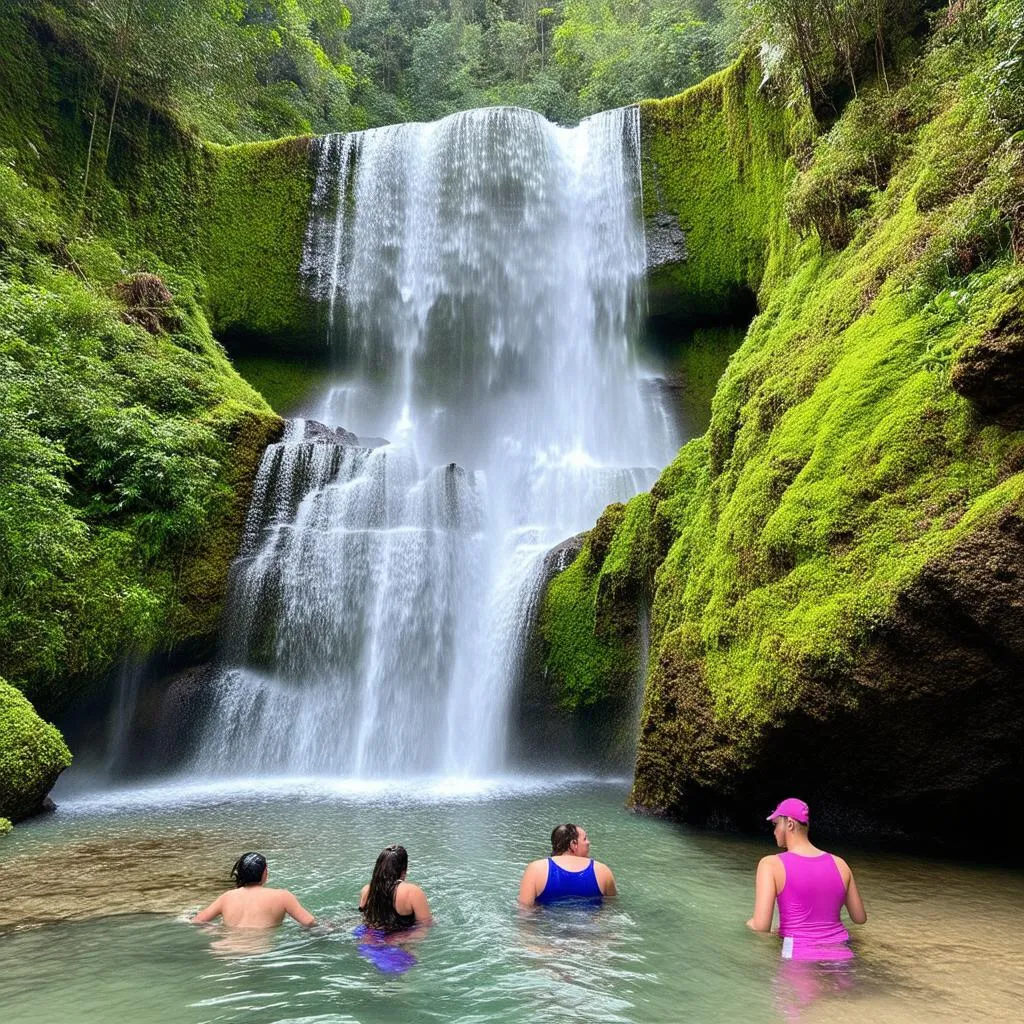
[(94, 929)]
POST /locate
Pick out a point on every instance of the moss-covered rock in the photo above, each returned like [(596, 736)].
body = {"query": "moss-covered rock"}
[(714, 162), (834, 607), (5, 826), (254, 225), (32, 755)]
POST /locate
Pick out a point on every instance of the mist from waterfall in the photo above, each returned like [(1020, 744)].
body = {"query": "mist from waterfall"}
[(481, 280)]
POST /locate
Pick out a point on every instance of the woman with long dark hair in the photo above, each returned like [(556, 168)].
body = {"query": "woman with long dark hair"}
[(390, 903)]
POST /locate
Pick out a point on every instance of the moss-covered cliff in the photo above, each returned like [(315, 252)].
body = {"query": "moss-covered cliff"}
[(129, 442), (714, 164), (835, 606)]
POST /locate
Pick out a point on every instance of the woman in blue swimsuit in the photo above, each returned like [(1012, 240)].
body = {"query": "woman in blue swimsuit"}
[(569, 873)]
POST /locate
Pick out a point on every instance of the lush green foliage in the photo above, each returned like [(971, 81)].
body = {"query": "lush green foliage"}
[(246, 70), (234, 69), (565, 59), (32, 755), (129, 441)]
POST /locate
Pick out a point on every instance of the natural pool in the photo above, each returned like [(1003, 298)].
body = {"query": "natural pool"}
[(92, 920)]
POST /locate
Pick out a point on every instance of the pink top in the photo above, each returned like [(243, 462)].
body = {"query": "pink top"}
[(809, 906)]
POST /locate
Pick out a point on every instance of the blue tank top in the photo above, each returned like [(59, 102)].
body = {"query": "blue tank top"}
[(567, 885)]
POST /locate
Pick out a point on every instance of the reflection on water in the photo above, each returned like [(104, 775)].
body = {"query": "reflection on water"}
[(97, 898)]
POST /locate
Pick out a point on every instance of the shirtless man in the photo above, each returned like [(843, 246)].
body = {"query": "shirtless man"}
[(250, 904), (568, 873)]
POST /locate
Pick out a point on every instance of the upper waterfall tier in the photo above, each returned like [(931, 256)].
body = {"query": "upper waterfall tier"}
[(484, 272)]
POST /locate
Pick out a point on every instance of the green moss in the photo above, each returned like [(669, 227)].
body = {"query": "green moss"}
[(32, 755), (285, 383), (588, 619), (5, 826), (253, 229), (715, 157)]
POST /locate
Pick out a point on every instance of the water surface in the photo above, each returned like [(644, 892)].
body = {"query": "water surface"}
[(97, 929)]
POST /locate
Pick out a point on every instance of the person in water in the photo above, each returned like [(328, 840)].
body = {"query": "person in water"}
[(389, 903), (568, 873), (251, 904), (811, 887)]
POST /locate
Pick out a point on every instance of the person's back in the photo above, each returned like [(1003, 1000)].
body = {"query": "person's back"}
[(811, 887), (255, 907), (810, 901), (568, 873), (388, 902), (250, 904)]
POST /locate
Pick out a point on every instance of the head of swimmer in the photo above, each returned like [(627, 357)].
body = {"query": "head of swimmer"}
[(570, 839), (392, 864), (786, 829), (249, 869)]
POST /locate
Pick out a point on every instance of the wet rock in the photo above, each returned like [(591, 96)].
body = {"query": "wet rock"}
[(665, 240), (990, 373), (561, 556), (319, 433), (925, 729)]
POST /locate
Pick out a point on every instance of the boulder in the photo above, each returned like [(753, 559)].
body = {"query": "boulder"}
[(316, 432), (32, 755)]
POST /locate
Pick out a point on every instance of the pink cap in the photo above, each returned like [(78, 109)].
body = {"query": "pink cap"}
[(791, 807)]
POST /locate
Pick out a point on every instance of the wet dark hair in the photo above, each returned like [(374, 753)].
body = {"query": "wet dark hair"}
[(379, 908), (248, 869), (562, 837)]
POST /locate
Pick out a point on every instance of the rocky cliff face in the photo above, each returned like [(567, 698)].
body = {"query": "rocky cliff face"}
[(832, 569)]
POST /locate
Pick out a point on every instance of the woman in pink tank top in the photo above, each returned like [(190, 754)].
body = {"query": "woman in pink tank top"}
[(811, 888)]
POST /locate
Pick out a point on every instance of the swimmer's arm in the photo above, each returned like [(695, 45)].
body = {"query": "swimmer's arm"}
[(854, 904), (528, 885), (362, 896), (607, 882), (294, 909), (210, 912), (764, 897), (420, 906)]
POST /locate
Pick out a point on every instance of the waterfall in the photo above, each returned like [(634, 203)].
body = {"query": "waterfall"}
[(481, 279)]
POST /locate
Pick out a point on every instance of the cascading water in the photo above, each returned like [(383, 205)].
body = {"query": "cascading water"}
[(481, 278)]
